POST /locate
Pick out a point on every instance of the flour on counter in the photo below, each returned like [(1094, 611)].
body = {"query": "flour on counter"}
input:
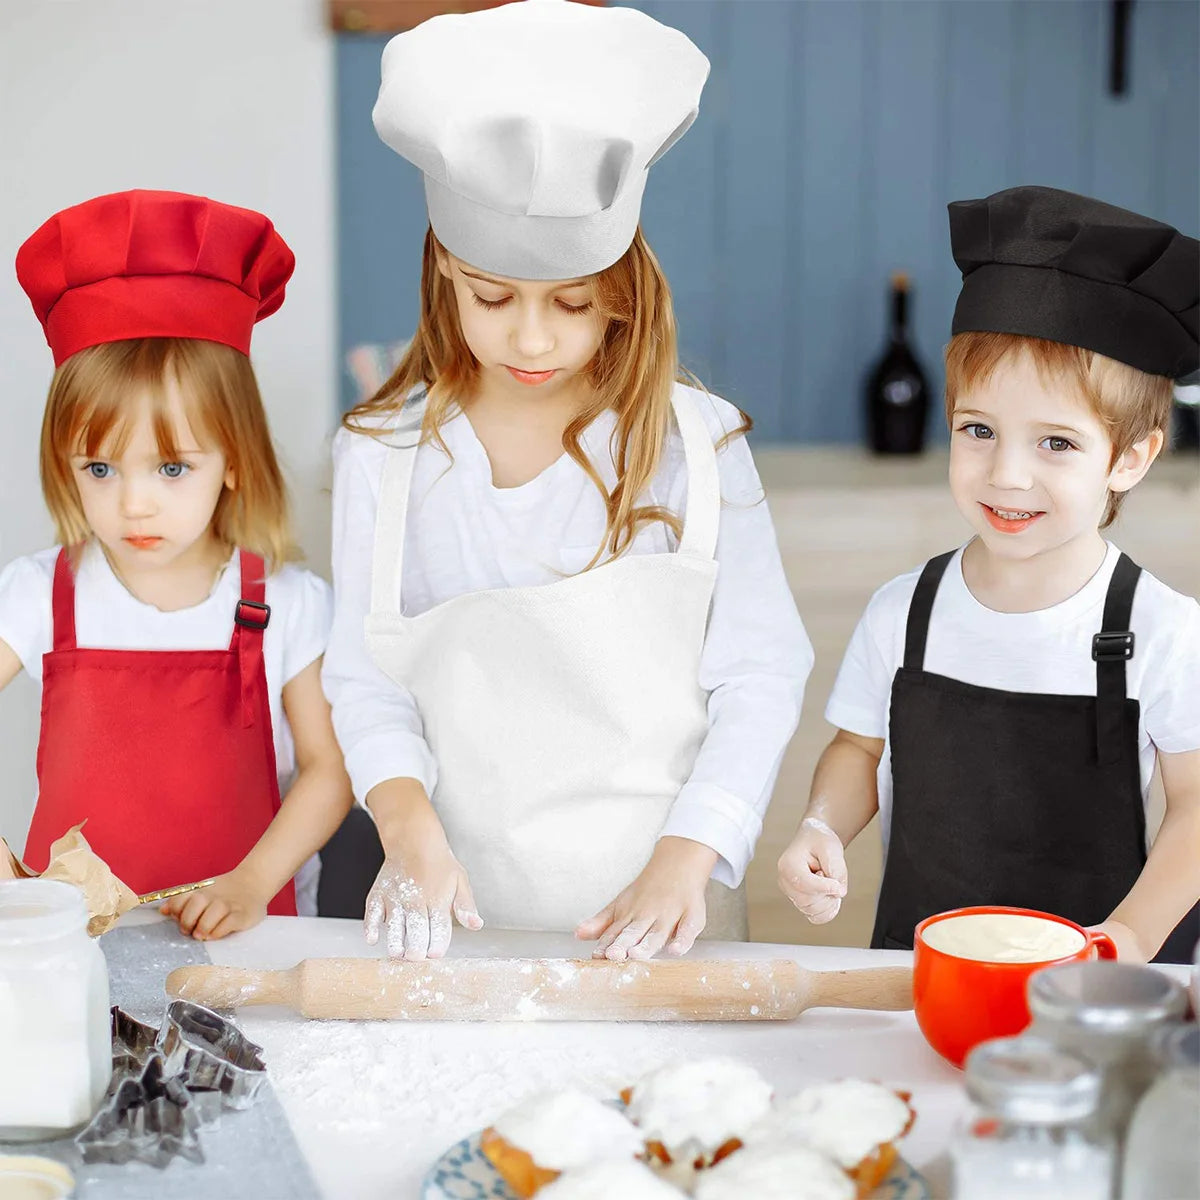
[(381, 1078)]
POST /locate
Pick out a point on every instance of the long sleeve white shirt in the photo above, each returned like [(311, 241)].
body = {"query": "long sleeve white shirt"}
[(464, 534)]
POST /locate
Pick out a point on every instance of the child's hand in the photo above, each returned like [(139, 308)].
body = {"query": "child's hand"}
[(230, 903), (1128, 948), (665, 903), (414, 897), (812, 871)]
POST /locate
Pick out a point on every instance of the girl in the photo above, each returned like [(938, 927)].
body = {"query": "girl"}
[(179, 656), (548, 697)]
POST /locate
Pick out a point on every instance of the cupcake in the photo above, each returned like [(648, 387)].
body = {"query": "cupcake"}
[(697, 1112), (629, 1180), (851, 1121), (774, 1172), (533, 1143)]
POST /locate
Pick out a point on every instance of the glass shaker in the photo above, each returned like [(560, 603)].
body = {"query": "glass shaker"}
[(1108, 1012), (1162, 1148), (55, 1027), (1031, 1132)]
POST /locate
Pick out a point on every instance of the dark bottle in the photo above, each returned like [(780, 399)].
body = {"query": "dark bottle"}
[(897, 393), (1185, 420)]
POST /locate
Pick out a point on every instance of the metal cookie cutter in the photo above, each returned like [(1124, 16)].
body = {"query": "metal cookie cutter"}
[(132, 1045), (210, 1052), (149, 1118)]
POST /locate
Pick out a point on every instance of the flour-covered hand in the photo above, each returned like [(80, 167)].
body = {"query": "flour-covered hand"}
[(812, 871), (413, 897), (663, 906)]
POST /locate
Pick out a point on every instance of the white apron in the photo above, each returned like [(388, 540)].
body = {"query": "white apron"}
[(564, 718)]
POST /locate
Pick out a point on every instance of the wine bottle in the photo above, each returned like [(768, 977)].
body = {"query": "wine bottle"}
[(897, 393), (1185, 419)]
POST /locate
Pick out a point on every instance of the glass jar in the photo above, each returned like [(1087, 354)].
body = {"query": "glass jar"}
[(1109, 1013), (1031, 1131), (1162, 1147), (55, 1028)]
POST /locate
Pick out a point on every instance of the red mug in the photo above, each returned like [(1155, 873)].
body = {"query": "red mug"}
[(961, 1002)]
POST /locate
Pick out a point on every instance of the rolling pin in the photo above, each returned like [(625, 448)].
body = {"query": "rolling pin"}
[(507, 989)]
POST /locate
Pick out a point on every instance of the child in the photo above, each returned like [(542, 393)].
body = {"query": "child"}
[(543, 699), (1003, 708), (179, 655)]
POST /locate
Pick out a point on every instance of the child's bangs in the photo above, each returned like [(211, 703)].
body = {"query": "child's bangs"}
[(973, 358), (104, 421)]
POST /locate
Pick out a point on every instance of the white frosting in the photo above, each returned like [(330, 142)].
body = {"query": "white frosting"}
[(1003, 937), (775, 1172), (560, 1130), (701, 1103), (605, 1180), (845, 1120)]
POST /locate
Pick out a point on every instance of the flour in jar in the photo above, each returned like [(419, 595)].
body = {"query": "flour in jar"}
[(55, 1045)]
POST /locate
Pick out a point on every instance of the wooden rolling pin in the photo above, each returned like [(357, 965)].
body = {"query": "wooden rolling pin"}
[(507, 989)]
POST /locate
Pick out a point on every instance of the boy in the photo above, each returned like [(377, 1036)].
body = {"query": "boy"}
[(1003, 708)]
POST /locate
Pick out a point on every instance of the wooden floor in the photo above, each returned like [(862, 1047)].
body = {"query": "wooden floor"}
[(853, 524)]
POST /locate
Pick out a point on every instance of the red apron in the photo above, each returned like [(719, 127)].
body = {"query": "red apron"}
[(167, 754)]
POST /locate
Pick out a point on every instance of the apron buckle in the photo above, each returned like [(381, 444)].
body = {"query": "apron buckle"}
[(249, 614), (1112, 646)]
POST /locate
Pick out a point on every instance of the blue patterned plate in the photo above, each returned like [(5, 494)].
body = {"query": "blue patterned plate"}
[(464, 1173)]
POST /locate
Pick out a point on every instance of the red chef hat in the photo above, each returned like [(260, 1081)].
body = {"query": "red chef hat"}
[(153, 264)]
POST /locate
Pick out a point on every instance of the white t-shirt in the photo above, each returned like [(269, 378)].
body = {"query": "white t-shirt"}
[(1048, 651), (464, 534), (109, 616)]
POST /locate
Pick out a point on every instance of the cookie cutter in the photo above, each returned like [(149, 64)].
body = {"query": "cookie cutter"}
[(210, 1053), (132, 1044), (169, 1082), (149, 1117)]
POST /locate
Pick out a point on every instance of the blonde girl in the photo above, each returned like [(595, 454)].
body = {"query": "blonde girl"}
[(565, 661), (177, 649)]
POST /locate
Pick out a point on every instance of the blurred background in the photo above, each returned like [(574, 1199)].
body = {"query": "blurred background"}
[(831, 136)]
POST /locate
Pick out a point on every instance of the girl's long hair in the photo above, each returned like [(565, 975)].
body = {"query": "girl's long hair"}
[(97, 394), (633, 373)]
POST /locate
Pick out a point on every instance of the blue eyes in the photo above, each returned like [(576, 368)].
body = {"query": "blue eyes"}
[(981, 433), (170, 470)]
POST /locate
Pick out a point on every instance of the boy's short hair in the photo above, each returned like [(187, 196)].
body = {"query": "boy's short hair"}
[(1130, 403)]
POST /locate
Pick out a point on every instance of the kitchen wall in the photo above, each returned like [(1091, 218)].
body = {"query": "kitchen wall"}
[(831, 135)]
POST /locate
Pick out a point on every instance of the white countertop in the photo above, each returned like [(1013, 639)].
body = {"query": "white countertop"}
[(374, 1104)]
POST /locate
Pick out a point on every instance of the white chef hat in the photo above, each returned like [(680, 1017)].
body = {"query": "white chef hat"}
[(535, 125)]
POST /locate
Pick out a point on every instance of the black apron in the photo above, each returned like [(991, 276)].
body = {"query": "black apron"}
[(1015, 798)]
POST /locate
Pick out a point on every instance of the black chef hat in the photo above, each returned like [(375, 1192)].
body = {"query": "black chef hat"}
[(1048, 264)]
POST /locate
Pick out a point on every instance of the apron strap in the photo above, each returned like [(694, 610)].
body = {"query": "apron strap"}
[(1112, 647), (391, 521), (919, 610), (702, 516), (250, 618), (62, 603)]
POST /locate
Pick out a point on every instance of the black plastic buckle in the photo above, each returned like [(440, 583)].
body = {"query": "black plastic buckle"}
[(1112, 647), (256, 622)]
